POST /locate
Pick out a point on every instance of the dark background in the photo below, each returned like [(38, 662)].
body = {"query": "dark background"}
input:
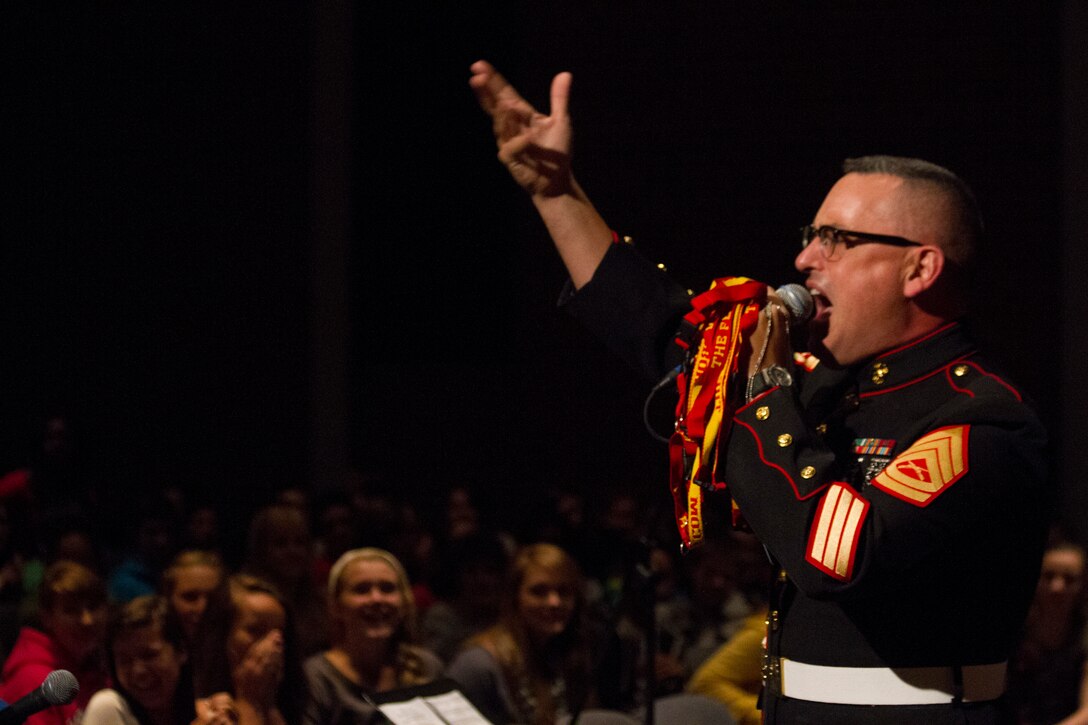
[(163, 269)]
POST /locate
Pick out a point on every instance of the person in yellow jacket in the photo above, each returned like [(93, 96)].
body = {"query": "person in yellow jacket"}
[(733, 675)]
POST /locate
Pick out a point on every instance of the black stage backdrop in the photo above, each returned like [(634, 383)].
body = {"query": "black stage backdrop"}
[(159, 220)]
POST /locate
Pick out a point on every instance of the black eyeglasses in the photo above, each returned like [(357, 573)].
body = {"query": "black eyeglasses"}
[(831, 237)]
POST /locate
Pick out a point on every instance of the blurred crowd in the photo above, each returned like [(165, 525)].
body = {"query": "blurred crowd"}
[(340, 600)]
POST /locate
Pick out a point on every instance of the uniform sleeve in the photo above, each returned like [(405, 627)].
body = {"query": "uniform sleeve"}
[(971, 477), (634, 308)]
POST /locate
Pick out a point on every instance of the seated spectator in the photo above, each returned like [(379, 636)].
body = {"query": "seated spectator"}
[(1048, 681), (279, 550), (72, 611), (373, 633), (733, 675), (336, 530), (188, 583), (12, 564), (246, 647), (468, 591), (149, 552), (533, 666), (152, 685)]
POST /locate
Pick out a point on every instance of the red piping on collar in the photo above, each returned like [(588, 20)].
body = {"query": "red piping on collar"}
[(908, 383), (916, 341)]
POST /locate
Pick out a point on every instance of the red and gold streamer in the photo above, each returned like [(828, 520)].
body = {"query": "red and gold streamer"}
[(723, 316)]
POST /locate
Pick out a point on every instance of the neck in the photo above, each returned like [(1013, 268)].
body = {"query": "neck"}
[(364, 659)]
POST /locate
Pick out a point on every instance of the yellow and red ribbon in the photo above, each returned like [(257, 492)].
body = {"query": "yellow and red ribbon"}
[(723, 316)]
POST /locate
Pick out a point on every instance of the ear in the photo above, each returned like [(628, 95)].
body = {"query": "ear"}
[(922, 266)]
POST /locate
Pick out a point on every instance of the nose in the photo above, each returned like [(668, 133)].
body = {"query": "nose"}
[(87, 618), (808, 258)]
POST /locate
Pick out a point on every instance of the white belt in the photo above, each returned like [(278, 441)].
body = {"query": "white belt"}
[(890, 685)]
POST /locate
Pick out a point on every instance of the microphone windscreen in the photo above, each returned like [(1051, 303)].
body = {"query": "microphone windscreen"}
[(798, 301), (60, 687)]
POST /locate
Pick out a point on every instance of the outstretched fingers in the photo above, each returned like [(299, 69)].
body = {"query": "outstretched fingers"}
[(493, 91), (560, 94)]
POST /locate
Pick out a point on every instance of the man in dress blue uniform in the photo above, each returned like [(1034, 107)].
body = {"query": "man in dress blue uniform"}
[(897, 481)]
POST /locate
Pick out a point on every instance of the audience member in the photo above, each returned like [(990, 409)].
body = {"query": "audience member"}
[(1048, 682), (188, 583), (733, 674), (12, 564), (279, 549), (373, 634), (202, 528), (533, 666), (147, 656), (71, 636), (336, 532), (718, 607), (246, 647), (468, 590), (154, 544)]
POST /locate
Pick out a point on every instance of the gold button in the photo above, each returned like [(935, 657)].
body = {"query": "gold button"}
[(782, 575), (774, 621), (628, 240), (821, 428), (763, 412), (784, 440), (808, 472), (880, 372), (959, 371)]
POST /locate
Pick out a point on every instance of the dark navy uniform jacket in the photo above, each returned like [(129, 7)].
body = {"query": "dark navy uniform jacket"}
[(905, 499)]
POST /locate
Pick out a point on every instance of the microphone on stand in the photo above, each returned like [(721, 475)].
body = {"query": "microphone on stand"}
[(60, 687)]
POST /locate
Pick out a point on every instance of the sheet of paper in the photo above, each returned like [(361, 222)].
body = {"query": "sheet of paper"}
[(411, 712), (456, 709)]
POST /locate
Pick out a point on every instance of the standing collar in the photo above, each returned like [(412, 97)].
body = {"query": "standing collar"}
[(914, 359)]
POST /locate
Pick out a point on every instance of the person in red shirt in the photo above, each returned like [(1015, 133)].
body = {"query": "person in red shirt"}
[(71, 636)]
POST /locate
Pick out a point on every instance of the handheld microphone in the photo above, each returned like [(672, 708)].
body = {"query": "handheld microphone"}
[(798, 302), (799, 308), (60, 687)]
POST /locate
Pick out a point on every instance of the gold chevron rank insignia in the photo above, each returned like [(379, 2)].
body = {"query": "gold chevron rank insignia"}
[(933, 463), (833, 539)]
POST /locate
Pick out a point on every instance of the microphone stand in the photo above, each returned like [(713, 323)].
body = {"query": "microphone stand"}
[(646, 594)]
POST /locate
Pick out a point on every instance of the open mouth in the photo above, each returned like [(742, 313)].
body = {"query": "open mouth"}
[(823, 306)]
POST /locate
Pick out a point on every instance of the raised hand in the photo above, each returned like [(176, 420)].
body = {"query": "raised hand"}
[(534, 147)]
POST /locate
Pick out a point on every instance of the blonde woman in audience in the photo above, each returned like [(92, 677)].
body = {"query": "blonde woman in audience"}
[(188, 583), (373, 622), (533, 666)]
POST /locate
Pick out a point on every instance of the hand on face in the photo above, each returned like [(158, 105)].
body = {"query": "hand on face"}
[(260, 672)]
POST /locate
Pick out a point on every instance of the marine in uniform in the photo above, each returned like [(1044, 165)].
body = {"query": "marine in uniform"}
[(896, 479)]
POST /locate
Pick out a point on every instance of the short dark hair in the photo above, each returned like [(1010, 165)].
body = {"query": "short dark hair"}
[(960, 248)]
